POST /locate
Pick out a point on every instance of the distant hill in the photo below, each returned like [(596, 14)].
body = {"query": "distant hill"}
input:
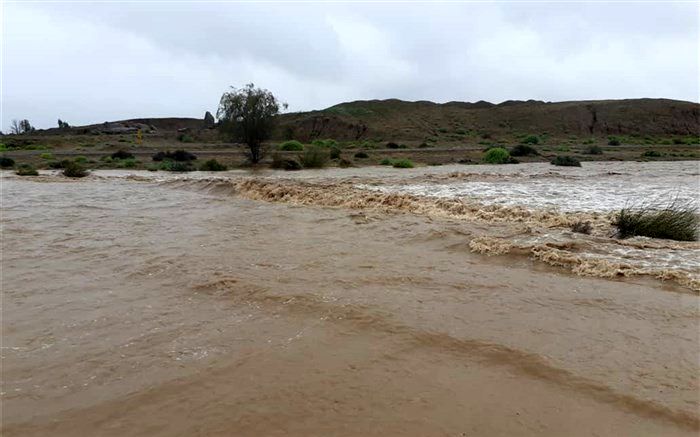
[(401, 120)]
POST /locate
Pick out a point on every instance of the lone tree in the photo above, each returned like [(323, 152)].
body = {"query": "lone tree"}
[(62, 124), (21, 127), (248, 115)]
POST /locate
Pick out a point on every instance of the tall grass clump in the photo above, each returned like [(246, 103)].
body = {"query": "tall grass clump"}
[(678, 220), (291, 146), (314, 157)]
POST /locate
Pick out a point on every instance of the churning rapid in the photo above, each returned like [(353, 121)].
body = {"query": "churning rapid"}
[(372, 301)]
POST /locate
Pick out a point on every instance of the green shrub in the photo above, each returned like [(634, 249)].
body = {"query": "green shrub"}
[(344, 163), (59, 164), (614, 141), (122, 154), (678, 141), (314, 157), (291, 146), (424, 145), (26, 170), (651, 154), (74, 170), (126, 163), (566, 161), (443, 130), (80, 159), (497, 155), (386, 161), (6, 162), (178, 155), (361, 155), (324, 143), (184, 138), (213, 165), (177, 166), (593, 150), (46, 156), (461, 131), (523, 150), (531, 139), (675, 221), (335, 152), (403, 163)]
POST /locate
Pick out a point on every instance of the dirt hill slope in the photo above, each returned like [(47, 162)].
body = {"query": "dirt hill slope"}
[(400, 120)]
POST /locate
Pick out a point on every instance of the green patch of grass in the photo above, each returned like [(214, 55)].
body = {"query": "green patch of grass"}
[(675, 221), (566, 161), (46, 156), (563, 149), (402, 163), (80, 159), (386, 161)]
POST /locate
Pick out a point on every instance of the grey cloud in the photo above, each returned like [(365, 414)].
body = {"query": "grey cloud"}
[(93, 62)]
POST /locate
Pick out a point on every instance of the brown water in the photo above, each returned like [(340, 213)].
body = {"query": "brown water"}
[(140, 306)]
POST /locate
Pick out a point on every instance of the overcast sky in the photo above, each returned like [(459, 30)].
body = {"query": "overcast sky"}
[(87, 63)]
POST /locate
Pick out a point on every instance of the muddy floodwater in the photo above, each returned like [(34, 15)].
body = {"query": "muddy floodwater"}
[(437, 301)]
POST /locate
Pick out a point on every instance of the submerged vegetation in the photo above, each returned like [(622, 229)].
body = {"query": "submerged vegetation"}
[(677, 220)]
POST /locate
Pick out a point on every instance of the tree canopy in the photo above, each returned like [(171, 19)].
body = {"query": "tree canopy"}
[(248, 115)]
